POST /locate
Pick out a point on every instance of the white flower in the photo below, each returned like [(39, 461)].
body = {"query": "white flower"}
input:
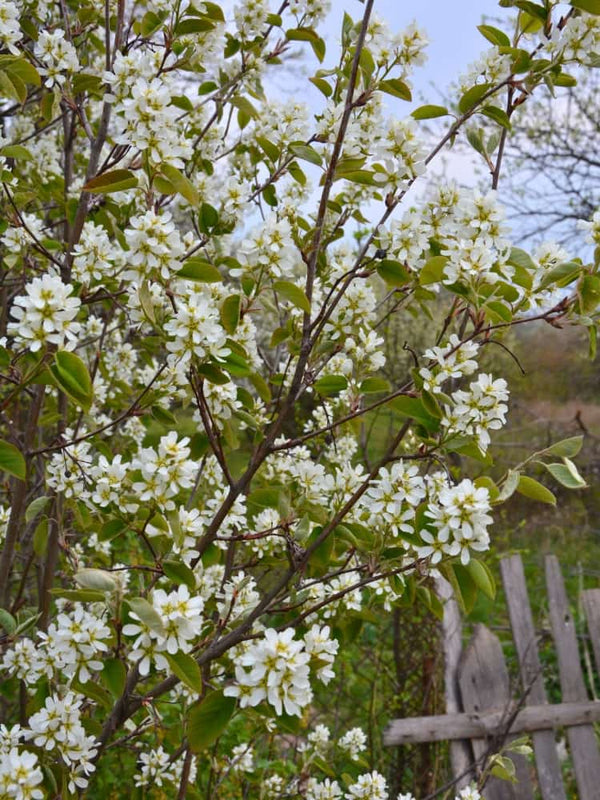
[(354, 742), (10, 29), (58, 56), (45, 314), (371, 786), (273, 669), (20, 775), (460, 516)]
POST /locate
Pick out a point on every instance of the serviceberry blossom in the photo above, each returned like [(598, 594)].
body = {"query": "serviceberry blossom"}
[(45, 314), (479, 410), (10, 30), (454, 360), (58, 56), (460, 519), (20, 775), (371, 786), (176, 622), (591, 228), (353, 742), (323, 790), (276, 669)]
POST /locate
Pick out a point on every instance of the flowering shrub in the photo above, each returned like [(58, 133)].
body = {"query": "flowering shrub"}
[(192, 524)]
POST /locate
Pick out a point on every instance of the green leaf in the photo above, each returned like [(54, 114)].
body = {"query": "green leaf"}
[(145, 298), (114, 675), (482, 577), (330, 385), (561, 275), (429, 112), (186, 669), (196, 269), (16, 151), (494, 35), (509, 487), (116, 181), (24, 70), (72, 376), (472, 97), (179, 572), (395, 87), (147, 614), (589, 293), (84, 82), (498, 115), (433, 270), (270, 149), (7, 621), (208, 719), (12, 461), (36, 507), (566, 474), (40, 538), (80, 595), (94, 691), (322, 86), (195, 25), (566, 447), (465, 588), (230, 313), (591, 6), (374, 385), (306, 153), (181, 183), (535, 491), (393, 272), (294, 294), (96, 579)]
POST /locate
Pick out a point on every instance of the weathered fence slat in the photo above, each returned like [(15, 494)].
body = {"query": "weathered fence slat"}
[(461, 754), (582, 740), (489, 722), (591, 607), (530, 669), (484, 683)]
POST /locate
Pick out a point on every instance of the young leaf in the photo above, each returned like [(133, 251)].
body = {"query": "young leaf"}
[(147, 614), (535, 491), (566, 474), (12, 461), (566, 448), (72, 376), (294, 294), (116, 181), (230, 313), (208, 719), (331, 384), (186, 669), (7, 621), (196, 269), (114, 675), (429, 112), (96, 579), (181, 183)]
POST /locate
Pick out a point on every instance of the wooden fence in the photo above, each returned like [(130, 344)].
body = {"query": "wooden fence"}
[(493, 714)]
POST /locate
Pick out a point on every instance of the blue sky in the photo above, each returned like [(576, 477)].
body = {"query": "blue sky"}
[(451, 26)]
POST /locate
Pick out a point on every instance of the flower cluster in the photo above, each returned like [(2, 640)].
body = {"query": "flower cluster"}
[(168, 624), (458, 523), (277, 669), (45, 314)]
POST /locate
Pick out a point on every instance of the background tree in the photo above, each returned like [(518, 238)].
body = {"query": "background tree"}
[(194, 529)]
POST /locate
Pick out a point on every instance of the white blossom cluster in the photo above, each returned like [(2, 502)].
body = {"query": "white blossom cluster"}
[(56, 728), (74, 646), (277, 669), (172, 624)]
